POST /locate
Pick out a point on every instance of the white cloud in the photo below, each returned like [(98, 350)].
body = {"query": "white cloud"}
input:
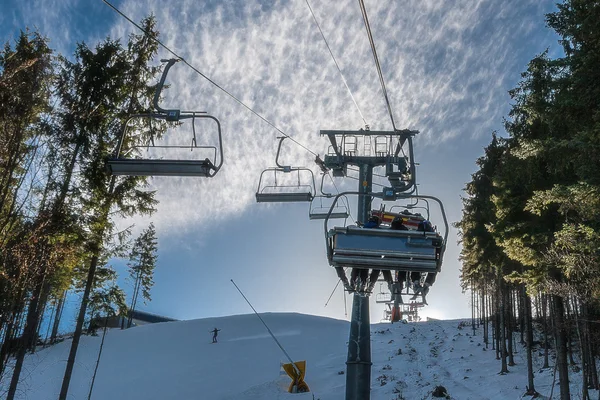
[(446, 70)]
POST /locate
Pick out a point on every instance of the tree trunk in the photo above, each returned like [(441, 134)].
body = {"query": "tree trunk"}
[(57, 317), (10, 333), (485, 318), (31, 324), (584, 357), (29, 336), (529, 342), (134, 298), (561, 346), (509, 326), (522, 318), (495, 323), (50, 319), (567, 328), (99, 355), (473, 305), (502, 341), (79, 326), (544, 317), (593, 372)]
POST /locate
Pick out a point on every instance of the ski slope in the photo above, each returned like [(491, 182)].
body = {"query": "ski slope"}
[(176, 360)]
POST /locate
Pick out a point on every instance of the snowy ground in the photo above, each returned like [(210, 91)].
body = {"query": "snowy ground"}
[(176, 360)]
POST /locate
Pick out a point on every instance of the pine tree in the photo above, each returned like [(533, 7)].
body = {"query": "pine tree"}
[(114, 84), (142, 261)]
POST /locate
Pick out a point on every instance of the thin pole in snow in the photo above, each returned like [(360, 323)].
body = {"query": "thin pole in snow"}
[(271, 333), (334, 289)]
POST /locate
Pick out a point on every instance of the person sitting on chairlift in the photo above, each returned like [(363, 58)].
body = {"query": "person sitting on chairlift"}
[(373, 223), (398, 225), (425, 226)]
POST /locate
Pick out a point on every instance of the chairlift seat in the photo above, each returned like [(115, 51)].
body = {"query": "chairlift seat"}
[(333, 215), (284, 197), (384, 249), (338, 212), (145, 167)]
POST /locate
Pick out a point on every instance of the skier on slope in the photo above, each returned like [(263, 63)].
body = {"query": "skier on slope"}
[(215, 333)]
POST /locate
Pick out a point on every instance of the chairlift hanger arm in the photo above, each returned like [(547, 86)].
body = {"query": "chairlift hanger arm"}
[(170, 114), (161, 83), (286, 168), (326, 195)]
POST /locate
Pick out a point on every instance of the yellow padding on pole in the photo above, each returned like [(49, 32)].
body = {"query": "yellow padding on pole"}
[(298, 385)]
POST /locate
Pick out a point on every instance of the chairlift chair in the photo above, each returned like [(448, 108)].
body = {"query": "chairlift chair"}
[(120, 164), (386, 249), (387, 316), (274, 191), (383, 297), (319, 211)]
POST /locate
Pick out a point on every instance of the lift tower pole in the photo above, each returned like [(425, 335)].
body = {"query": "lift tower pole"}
[(358, 363), (345, 152)]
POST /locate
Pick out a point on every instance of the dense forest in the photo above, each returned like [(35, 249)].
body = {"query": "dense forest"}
[(530, 228), (60, 119)]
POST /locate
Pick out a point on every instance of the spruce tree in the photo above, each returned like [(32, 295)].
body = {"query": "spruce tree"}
[(142, 261), (113, 83)]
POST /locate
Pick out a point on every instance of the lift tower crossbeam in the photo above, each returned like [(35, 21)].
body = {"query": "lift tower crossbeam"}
[(401, 173)]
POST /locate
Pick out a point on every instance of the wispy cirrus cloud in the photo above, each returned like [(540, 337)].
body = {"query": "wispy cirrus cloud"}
[(447, 68)]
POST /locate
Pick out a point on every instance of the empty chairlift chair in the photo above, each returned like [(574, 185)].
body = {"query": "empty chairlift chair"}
[(320, 207), (211, 155), (383, 296), (285, 184)]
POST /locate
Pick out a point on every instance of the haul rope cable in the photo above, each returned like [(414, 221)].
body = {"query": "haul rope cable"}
[(377, 64), (208, 79), (214, 83), (336, 63)]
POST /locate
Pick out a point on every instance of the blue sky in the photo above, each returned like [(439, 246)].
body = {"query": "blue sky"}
[(447, 67)]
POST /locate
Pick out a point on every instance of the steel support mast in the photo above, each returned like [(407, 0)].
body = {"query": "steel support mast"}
[(358, 363)]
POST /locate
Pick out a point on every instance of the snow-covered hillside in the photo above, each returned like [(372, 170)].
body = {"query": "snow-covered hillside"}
[(176, 360)]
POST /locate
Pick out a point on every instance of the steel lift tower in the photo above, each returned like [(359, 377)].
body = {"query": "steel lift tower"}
[(345, 150)]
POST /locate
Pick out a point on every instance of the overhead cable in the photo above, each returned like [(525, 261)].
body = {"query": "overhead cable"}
[(336, 63), (207, 78), (377, 64)]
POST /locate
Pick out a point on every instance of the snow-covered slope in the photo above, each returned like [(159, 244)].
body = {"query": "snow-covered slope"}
[(176, 360)]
